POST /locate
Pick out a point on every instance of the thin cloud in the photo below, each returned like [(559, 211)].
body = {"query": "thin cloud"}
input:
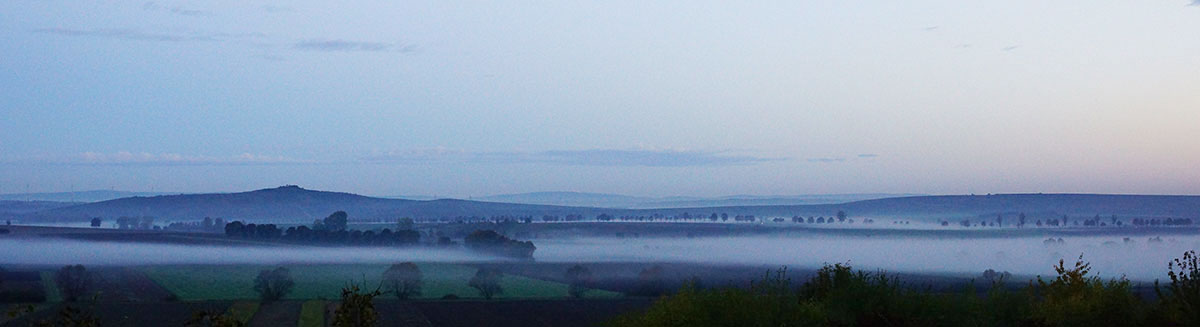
[(277, 9), (128, 34), (338, 45), (826, 160), (868, 155), (126, 158), (177, 10), (1014, 47), (595, 157), (1195, 3), (139, 35)]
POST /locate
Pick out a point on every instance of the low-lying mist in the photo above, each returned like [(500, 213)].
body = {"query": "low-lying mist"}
[(1138, 259), (36, 251)]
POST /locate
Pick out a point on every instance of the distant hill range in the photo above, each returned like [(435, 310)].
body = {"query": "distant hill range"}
[(81, 196), (16, 209), (577, 199), (295, 204), (291, 204)]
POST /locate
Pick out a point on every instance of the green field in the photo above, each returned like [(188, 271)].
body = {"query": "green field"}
[(234, 282), (52, 294), (312, 313)]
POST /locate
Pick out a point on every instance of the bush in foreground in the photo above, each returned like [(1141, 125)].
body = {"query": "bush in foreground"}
[(840, 296)]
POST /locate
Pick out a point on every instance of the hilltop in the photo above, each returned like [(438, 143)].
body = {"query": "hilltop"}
[(291, 204)]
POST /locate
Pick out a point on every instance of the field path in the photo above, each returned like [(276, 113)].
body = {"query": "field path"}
[(280, 313)]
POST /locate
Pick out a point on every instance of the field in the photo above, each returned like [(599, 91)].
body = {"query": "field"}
[(236, 282)]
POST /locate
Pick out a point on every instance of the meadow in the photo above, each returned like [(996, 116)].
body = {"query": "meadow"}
[(236, 282)]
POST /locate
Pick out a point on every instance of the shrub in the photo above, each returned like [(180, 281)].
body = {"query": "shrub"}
[(1181, 302), (1075, 299), (357, 308)]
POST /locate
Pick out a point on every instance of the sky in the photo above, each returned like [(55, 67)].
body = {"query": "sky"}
[(701, 98)]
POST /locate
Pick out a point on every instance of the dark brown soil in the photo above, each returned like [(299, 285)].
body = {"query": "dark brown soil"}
[(119, 284), (130, 313), (527, 313)]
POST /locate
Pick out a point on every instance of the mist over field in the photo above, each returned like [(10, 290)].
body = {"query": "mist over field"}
[(1138, 259), (63, 252)]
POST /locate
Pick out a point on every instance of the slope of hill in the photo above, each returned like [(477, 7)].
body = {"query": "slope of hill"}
[(601, 200), (81, 196), (290, 204), (298, 205), (14, 209), (967, 206)]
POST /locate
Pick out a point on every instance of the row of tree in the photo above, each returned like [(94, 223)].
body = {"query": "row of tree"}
[(331, 230), (488, 241)]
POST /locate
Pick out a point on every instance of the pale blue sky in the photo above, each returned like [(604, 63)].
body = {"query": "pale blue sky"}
[(667, 98)]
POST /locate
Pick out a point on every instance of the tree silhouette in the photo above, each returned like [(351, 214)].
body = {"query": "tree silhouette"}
[(273, 284), (336, 221), (487, 282), (73, 282), (579, 278), (403, 280)]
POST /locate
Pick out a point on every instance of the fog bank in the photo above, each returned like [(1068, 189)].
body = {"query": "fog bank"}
[(1138, 259), (62, 252)]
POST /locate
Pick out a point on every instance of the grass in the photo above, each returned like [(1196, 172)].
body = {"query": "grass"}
[(236, 282), (243, 310), (52, 293), (312, 313)]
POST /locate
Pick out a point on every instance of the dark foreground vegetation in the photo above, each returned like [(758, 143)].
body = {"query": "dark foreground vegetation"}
[(840, 296)]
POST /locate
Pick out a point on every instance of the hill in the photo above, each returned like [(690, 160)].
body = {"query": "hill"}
[(81, 196), (602, 200), (969, 206), (289, 204), (14, 209), (297, 205)]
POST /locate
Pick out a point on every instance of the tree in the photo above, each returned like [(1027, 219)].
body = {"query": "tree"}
[(405, 224), (234, 229), (273, 284), (357, 308), (124, 222), (841, 215), (487, 282), (96, 222), (1021, 220), (579, 278), (403, 280), (336, 221), (492, 242), (73, 282)]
